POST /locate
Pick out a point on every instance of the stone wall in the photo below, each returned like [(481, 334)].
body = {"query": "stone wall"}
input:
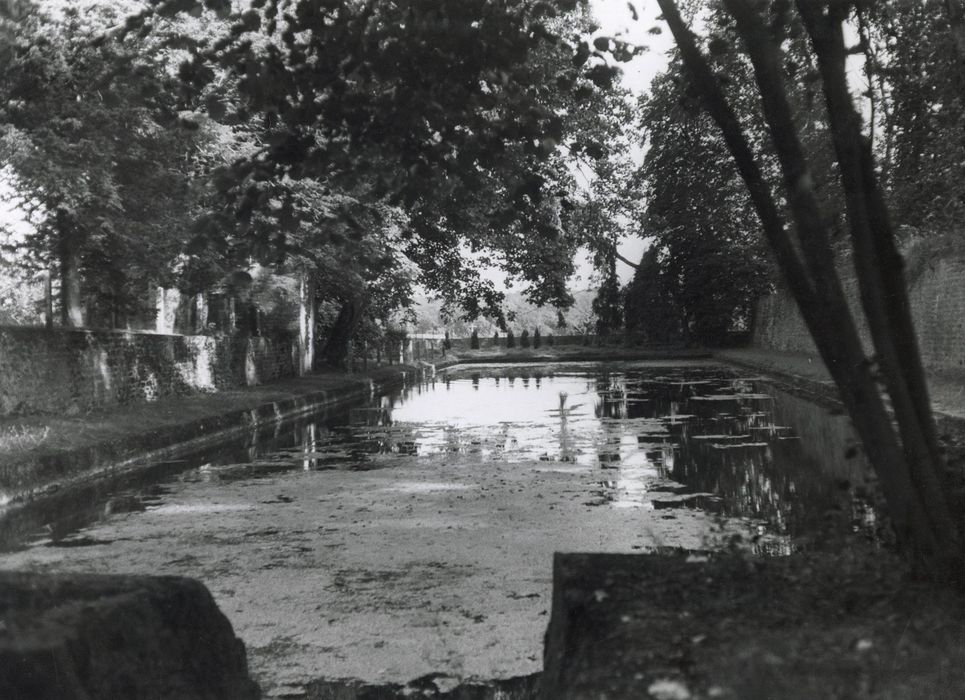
[(486, 342), (72, 371), (937, 296)]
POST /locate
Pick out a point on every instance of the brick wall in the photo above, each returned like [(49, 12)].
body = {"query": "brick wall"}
[(937, 296), (62, 370)]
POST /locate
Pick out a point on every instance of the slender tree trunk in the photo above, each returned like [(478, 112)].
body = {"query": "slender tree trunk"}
[(160, 311), (48, 300), (883, 290), (68, 253), (907, 467)]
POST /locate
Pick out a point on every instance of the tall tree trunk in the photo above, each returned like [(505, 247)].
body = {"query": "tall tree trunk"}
[(884, 296), (68, 254), (335, 351), (48, 300), (908, 464)]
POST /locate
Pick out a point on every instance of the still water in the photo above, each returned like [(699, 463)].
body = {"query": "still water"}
[(659, 437), (414, 534)]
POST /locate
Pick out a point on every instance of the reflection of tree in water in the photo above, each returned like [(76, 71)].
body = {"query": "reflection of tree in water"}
[(729, 445), (759, 468)]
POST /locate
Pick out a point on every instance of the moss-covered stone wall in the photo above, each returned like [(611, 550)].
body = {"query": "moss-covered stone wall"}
[(937, 296), (73, 371)]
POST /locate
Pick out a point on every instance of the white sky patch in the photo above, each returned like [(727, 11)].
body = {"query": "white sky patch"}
[(616, 20), (12, 218)]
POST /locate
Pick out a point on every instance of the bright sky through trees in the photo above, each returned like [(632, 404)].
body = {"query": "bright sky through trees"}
[(616, 19)]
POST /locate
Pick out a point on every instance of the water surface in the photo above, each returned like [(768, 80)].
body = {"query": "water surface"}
[(413, 535)]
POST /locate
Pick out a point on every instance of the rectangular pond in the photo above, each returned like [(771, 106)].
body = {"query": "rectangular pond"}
[(412, 537)]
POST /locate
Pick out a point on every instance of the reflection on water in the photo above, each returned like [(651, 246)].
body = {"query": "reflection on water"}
[(659, 438)]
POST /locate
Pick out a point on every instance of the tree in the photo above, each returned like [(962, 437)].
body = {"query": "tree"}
[(608, 305), (474, 340), (460, 114), (707, 266), (524, 339), (537, 341), (916, 85), (904, 453), (91, 140), (650, 306)]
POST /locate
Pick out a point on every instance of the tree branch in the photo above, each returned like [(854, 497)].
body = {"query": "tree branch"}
[(625, 261)]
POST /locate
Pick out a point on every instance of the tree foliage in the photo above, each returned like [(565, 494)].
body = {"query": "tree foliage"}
[(608, 305), (708, 266), (650, 308), (90, 138), (367, 146), (463, 114), (913, 64)]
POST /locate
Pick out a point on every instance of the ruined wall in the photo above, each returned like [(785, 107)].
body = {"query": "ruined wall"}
[(937, 296), (65, 370)]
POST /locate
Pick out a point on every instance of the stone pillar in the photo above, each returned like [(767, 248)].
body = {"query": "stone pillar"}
[(306, 325), (166, 306), (200, 313)]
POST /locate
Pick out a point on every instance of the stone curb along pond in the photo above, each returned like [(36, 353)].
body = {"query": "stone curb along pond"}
[(404, 548), (43, 476)]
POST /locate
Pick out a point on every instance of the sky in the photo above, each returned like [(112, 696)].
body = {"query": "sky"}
[(616, 20)]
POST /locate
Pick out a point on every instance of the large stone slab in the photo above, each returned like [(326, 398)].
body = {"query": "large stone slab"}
[(72, 636), (679, 627)]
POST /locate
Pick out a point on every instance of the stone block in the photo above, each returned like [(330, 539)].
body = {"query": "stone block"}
[(74, 637)]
